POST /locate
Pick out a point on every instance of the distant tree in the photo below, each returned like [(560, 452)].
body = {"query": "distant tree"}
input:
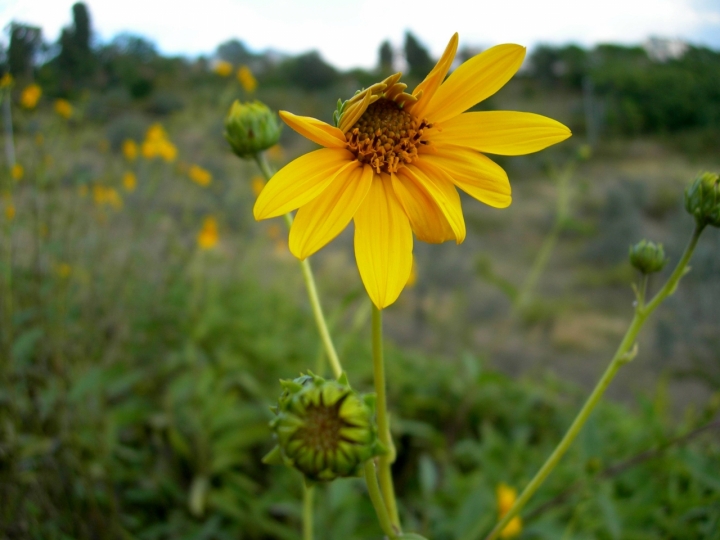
[(25, 42), (417, 56), (309, 71), (130, 61), (235, 52), (385, 57), (76, 61)]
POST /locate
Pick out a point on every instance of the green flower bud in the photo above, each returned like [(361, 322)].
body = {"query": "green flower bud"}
[(324, 428), (648, 257), (251, 128), (702, 199)]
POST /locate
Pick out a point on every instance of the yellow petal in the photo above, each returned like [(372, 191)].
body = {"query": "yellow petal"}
[(475, 80), (353, 112), (432, 204), (323, 218), (315, 130), (300, 181), (434, 79), (475, 174), (508, 133), (383, 243)]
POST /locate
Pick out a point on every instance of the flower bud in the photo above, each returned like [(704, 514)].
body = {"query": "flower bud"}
[(702, 199), (323, 428), (648, 257), (251, 128)]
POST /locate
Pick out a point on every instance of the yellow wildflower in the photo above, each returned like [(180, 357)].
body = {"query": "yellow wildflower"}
[(273, 232), (247, 79), (200, 176), (30, 96), (395, 160), (129, 181), (167, 150), (157, 144), (9, 211), (257, 184), (506, 497), (63, 270), (276, 152), (207, 238), (6, 81), (17, 172), (63, 108), (130, 149), (107, 196), (223, 68)]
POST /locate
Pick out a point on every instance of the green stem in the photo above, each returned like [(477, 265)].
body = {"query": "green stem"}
[(377, 500), (625, 353), (383, 422), (308, 496), (311, 288)]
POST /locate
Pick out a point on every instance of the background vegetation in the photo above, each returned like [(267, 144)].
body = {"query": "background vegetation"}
[(138, 366)]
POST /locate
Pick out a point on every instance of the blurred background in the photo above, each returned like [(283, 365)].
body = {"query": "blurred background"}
[(146, 317)]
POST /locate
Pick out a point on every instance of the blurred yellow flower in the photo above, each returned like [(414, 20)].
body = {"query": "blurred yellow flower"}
[(200, 176), (276, 152), (247, 79), (107, 196), (157, 144), (223, 68), (17, 172), (394, 161), (63, 108), (63, 270), (6, 81), (130, 149), (257, 184), (10, 211), (207, 238), (30, 96), (506, 497), (274, 232), (129, 181)]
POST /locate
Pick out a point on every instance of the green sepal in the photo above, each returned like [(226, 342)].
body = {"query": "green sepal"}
[(291, 386), (371, 401), (274, 457), (343, 379)]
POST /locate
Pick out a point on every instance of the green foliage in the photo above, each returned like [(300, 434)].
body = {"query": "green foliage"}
[(25, 42), (385, 57), (308, 71), (76, 61), (417, 56)]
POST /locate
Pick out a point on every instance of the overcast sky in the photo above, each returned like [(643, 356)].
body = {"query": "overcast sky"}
[(348, 33)]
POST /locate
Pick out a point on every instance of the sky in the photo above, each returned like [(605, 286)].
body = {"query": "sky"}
[(348, 33)]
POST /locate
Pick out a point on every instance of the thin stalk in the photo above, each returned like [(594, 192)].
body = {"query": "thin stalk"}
[(383, 422), (377, 500), (311, 288), (625, 353), (8, 229), (308, 496)]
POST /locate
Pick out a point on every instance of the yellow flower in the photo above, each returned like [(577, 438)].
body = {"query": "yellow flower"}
[(394, 161), (130, 149), (17, 172), (157, 144), (6, 81), (109, 196), (167, 150), (257, 184), (129, 181), (246, 78), (199, 175), (63, 108), (223, 68), (506, 497), (276, 152), (30, 96), (63, 270), (207, 238), (9, 211)]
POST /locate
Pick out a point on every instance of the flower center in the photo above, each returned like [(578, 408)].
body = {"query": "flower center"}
[(386, 136), (321, 429)]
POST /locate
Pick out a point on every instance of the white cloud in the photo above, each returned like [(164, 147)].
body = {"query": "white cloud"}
[(349, 33)]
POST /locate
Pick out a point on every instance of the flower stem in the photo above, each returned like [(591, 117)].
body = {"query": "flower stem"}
[(624, 354), (377, 499), (383, 422), (308, 496), (311, 288)]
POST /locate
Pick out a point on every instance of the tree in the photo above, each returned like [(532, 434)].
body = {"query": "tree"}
[(417, 57), (25, 41), (385, 55), (76, 60)]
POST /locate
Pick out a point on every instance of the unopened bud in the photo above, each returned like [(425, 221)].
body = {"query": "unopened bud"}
[(251, 128), (324, 428), (648, 257), (702, 199)]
